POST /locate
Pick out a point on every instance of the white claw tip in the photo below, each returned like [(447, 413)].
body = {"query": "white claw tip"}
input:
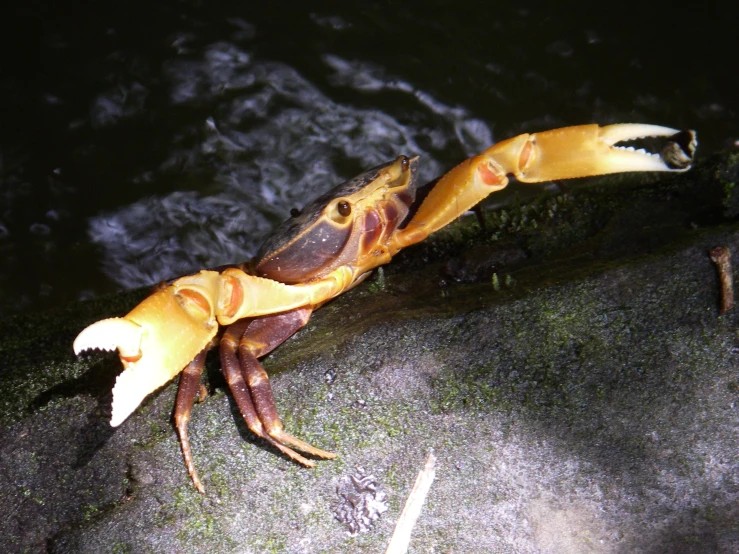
[(109, 334), (127, 395)]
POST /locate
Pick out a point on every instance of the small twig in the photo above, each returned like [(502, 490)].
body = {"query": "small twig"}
[(722, 258), (402, 535)]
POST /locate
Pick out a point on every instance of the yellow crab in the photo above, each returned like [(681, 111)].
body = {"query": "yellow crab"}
[(324, 250)]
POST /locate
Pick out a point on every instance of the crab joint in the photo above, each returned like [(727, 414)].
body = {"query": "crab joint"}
[(722, 258)]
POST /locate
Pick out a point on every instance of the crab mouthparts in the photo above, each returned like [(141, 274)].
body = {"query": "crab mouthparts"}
[(676, 153)]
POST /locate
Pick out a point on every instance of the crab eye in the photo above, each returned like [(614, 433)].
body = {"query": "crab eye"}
[(344, 208), (405, 163), (295, 212), (340, 211)]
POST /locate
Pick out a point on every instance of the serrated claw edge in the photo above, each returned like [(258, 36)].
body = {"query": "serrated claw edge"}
[(620, 132), (110, 334), (676, 154)]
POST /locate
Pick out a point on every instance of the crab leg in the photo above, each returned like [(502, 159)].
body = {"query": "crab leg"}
[(188, 389), (261, 337), (249, 385), (565, 153), (240, 391), (249, 382)]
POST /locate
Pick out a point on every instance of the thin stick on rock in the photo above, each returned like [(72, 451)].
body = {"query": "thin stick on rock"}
[(722, 258), (401, 538)]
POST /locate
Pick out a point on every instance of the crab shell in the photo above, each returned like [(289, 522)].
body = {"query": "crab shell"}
[(315, 250), (340, 237)]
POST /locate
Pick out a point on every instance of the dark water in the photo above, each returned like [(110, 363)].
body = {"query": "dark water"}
[(142, 140)]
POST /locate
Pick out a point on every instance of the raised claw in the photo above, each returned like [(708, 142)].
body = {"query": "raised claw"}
[(565, 153), (587, 150), (676, 155)]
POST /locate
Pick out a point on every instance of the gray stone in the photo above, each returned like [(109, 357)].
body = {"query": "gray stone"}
[(571, 374)]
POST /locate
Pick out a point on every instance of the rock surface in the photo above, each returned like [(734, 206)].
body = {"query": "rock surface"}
[(570, 371)]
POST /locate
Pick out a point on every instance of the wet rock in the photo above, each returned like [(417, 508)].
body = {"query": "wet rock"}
[(590, 406)]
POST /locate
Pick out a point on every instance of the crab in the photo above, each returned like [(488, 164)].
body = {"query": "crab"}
[(322, 251)]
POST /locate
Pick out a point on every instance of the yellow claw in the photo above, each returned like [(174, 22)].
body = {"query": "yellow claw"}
[(586, 150), (160, 336), (569, 152), (155, 341)]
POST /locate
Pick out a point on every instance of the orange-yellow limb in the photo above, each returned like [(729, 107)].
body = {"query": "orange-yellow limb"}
[(155, 341), (579, 151), (160, 336), (167, 330)]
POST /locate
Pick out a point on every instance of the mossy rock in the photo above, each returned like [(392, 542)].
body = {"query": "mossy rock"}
[(567, 365)]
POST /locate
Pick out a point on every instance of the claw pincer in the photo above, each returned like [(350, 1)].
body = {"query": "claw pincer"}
[(324, 250), (155, 341)]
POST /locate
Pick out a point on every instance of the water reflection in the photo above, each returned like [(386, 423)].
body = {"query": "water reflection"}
[(141, 141), (274, 141)]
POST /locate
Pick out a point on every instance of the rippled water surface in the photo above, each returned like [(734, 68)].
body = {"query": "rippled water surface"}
[(140, 141)]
